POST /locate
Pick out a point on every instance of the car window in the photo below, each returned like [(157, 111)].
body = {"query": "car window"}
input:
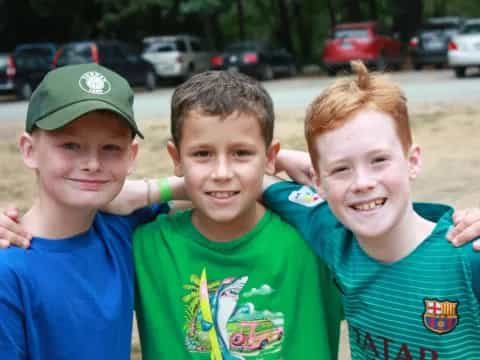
[(196, 46), (471, 29), (181, 46), (75, 54), (351, 33), (161, 47)]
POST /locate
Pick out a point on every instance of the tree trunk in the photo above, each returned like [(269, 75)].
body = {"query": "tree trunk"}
[(303, 35), (353, 11), (331, 13), (285, 32), (241, 19), (372, 9)]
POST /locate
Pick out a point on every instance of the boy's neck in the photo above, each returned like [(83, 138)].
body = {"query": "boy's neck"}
[(55, 222), (229, 230), (401, 241)]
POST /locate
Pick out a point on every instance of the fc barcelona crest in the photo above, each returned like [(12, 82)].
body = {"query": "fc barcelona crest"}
[(441, 317)]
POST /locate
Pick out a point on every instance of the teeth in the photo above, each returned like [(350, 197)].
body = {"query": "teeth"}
[(222, 194), (370, 205)]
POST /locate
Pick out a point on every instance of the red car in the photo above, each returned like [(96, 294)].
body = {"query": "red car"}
[(366, 41)]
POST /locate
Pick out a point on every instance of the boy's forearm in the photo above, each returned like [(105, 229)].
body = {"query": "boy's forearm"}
[(136, 194)]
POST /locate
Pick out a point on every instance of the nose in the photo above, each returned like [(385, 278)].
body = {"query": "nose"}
[(223, 169), (363, 181), (91, 161)]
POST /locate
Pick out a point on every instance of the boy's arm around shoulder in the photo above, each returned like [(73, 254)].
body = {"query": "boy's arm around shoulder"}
[(136, 194), (12, 316), (304, 209)]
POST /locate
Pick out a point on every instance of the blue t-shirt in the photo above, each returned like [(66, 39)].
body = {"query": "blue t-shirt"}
[(71, 298)]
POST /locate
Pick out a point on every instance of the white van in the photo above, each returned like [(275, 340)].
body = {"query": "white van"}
[(176, 56)]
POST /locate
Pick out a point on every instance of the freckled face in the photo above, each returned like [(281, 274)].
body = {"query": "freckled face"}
[(365, 175)]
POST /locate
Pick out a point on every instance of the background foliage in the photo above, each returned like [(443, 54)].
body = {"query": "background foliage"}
[(298, 25)]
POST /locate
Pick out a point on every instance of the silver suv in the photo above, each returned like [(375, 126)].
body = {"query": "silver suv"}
[(176, 56)]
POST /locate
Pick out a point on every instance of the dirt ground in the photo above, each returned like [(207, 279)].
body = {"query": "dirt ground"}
[(447, 133)]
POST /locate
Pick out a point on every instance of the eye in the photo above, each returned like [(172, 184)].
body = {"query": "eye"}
[(339, 170), (242, 153), (379, 159), (112, 147), (201, 153), (70, 146)]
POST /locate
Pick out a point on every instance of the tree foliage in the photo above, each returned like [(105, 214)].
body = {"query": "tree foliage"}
[(298, 25)]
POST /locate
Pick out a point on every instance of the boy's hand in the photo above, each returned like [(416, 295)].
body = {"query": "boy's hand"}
[(297, 165), (11, 232), (467, 227)]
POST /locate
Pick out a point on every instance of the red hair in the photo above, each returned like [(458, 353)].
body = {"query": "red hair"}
[(339, 102)]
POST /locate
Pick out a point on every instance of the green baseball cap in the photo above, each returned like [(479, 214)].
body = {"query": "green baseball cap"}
[(71, 91)]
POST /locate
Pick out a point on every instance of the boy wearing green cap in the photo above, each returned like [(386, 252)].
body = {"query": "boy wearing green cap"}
[(71, 294)]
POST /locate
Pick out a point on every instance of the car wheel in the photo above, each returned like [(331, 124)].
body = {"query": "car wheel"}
[(417, 66), (331, 71), (460, 72), (292, 70), (263, 344), (267, 72), (150, 81), (24, 92), (381, 63)]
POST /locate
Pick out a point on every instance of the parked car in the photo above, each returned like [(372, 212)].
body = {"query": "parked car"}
[(113, 54), (430, 43), (22, 71), (368, 41), (464, 48), (176, 56), (255, 58)]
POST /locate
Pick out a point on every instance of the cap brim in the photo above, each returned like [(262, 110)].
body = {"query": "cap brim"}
[(64, 116)]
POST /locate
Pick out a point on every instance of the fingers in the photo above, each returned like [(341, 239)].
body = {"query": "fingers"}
[(12, 233), (467, 227)]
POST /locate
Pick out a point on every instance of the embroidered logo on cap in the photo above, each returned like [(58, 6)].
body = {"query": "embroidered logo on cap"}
[(93, 82), (305, 196)]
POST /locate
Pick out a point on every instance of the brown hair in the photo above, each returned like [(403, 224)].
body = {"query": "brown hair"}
[(339, 102), (221, 93)]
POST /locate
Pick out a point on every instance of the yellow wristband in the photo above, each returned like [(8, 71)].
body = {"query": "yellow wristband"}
[(164, 189)]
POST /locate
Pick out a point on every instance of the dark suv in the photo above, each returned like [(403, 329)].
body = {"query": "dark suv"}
[(113, 54), (22, 71), (430, 44)]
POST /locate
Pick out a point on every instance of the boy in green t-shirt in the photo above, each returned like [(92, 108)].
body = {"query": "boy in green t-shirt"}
[(229, 279), (407, 293)]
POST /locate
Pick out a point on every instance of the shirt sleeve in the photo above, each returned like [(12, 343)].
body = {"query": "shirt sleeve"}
[(12, 331), (474, 258), (303, 208)]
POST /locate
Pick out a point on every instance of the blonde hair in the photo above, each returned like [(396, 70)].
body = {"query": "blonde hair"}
[(339, 102)]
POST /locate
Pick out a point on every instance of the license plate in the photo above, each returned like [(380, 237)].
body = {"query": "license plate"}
[(233, 68)]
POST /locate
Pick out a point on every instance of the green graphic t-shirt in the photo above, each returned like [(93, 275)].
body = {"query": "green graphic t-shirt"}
[(262, 296)]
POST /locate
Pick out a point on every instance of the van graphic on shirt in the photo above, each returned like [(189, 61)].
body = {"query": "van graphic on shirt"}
[(242, 330)]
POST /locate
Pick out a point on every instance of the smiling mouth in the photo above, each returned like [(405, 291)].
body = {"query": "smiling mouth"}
[(222, 194), (370, 205)]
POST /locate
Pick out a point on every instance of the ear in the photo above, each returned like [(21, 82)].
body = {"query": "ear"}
[(132, 155), (175, 156), (272, 153), (319, 185), (414, 159), (26, 145)]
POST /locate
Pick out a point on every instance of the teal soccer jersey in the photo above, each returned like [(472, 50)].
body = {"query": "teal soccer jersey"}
[(423, 306)]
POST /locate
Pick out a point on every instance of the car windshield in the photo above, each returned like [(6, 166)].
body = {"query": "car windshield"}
[(35, 52), (351, 33), (471, 29)]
